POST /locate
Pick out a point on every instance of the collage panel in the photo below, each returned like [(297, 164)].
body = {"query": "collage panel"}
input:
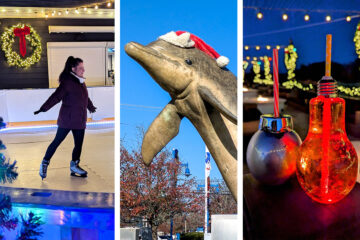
[(57, 65), (301, 120), (178, 120)]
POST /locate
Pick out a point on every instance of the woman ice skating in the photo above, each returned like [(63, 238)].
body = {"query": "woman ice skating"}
[(73, 93)]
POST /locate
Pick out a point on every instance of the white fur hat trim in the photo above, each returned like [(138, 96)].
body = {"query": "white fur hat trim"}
[(183, 40)]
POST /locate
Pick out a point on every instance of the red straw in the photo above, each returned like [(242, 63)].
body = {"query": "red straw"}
[(276, 81)]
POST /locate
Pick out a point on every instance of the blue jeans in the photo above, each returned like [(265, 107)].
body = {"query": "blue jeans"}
[(61, 134)]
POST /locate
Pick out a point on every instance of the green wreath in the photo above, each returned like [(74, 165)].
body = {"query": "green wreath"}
[(13, 58)]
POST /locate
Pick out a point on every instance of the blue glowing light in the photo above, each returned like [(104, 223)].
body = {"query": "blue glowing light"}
[(2, 123), (52, 126), (90, 220)]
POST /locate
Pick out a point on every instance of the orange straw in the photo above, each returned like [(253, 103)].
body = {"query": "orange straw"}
[(328, 56)]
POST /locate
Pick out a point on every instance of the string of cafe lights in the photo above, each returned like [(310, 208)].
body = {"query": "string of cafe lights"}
[(98, 8), (259, 47), (306, 12), (261, 58), (89, 8), (86, 9)]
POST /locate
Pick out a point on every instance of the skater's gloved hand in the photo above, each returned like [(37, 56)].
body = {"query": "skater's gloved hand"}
[(37, 112), (92, 110)]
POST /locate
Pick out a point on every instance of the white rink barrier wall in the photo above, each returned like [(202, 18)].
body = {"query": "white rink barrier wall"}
[(224, 227), (20, 105)]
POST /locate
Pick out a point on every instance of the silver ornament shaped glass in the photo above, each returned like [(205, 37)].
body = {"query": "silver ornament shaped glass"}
[(273, 150)]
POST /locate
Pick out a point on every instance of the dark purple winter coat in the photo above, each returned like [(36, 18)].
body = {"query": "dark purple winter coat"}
[(75, 101)]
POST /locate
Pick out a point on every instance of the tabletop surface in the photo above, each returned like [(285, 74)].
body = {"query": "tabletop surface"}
[(286, 212)]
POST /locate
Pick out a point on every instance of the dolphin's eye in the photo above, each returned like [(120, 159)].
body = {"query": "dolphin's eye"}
[(188, 61)]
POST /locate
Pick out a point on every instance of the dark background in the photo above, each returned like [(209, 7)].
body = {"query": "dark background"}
[(310, 38)]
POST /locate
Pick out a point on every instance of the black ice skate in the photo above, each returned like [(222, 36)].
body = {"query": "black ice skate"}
[(76, 170), (43, 168)]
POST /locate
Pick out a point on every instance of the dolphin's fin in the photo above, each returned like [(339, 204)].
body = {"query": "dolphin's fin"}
[(206, 95), (164, 128)]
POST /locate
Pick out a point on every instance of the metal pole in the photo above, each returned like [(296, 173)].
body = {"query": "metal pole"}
[(207, 189), (175, 156), (171, 228)]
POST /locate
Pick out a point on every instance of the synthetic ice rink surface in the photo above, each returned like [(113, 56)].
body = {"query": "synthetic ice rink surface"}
[(28, 148)]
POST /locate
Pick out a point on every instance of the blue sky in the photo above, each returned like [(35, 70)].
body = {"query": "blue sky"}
[(143, 22), (309, 41)]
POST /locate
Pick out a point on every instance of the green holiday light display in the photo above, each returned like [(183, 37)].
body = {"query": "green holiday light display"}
[(290, 60), (357, 40), (268, 77), (291, 56), (245, 66), (256, 68)]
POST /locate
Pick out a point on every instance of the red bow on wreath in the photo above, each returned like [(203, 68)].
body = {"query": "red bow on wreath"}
[(21, 32)]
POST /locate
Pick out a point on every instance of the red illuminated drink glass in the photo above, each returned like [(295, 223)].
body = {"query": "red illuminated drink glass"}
[(328, 163)]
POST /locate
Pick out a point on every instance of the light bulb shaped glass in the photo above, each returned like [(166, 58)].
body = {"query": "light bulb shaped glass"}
[(328, 163)]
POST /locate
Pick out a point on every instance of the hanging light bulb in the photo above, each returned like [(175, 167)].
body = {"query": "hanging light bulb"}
[(85, 8), (268, 47), (108, 4), (3, 10), (246, 47), (255, 58), (59, 13), (278, 47), (96, 7), (46, 15), (77, 11), (285, 17), (247, 58), (17, 10), (257, 48), (53, 13), (328, 18), (67, 11), (306, 17), (348, 18), (259, 15)]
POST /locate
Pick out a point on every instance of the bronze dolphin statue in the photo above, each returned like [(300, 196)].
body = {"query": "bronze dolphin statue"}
[(201, 91)]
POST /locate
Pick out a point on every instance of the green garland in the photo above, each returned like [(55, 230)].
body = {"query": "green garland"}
[(351, 91), (13, 58), (293, 83)]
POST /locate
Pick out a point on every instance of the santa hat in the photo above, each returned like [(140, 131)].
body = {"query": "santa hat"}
[(187, 40)]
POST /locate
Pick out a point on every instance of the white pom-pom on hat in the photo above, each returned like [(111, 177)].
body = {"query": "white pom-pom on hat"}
[(222, 61), (186, 40)]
